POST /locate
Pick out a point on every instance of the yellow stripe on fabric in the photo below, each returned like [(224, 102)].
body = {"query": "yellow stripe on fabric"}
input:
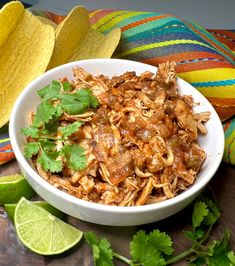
[(229, 152), (160, 44), (116, 20), (218, 92), (4, 140), (110, 16), (205, 75)]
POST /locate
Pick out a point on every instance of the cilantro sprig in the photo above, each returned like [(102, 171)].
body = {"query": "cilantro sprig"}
[(56, 99), (156, 248)]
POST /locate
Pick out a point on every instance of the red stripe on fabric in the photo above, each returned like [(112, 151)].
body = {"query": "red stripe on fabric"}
[(227, 124), (100, 14), (6, 156), (6, 147), (143, 21)]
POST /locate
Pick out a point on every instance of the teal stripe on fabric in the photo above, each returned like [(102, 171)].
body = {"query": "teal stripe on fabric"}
[(230, 129), (144, 27), (130, 20), (210, 36), (214, 83), (167, 28)]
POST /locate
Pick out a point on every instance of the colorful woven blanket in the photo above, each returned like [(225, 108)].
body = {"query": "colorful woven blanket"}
[(205, 58)]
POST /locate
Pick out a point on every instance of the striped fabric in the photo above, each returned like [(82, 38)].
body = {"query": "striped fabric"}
[(205, 58)]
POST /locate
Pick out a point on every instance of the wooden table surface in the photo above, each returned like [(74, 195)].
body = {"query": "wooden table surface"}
[(13, 253)]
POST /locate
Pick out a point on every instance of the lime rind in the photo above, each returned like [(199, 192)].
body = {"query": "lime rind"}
[(10, 179), (42, 232), (12, 188), (10, 209)]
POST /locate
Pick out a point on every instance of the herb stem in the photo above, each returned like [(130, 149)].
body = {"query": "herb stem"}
[(120, 257), (207, 234), (50, 137), (181, 256)]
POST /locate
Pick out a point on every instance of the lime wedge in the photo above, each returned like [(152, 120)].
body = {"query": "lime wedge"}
[(10, 209), (42, 232), (13, 187)]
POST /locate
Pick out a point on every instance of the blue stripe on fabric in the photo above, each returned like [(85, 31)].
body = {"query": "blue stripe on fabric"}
[(162, 51), (227, 82), (145, 38)]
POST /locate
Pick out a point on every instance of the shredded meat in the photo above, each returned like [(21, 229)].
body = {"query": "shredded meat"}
[(141, 143)]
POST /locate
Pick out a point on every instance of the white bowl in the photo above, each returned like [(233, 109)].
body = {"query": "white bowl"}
[(212, 143)]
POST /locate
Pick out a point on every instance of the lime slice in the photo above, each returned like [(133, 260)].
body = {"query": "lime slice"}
[(13, 187), (10, 209), (42, 232)]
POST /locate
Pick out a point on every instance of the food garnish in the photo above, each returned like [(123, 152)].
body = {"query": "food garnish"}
[(126, 140), (156, 248)]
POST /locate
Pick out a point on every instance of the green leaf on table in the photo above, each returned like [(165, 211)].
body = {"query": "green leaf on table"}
[(161, 241), (214, 212), (49, 162), (70, 129), (144, 252), (31, 148), (101, 248), (200, 211), (50, 91), (218, 251), (30, 131), (231, 257), (75, 156)]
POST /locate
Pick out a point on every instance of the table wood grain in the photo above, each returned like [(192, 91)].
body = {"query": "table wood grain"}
[(13, 253)]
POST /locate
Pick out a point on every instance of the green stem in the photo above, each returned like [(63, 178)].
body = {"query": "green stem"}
[(181, 256), (124, 259), (206, 235), (49, 137)]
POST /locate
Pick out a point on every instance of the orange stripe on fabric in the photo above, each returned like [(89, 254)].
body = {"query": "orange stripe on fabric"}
[(189, 56), (228, 33), (143, 21)]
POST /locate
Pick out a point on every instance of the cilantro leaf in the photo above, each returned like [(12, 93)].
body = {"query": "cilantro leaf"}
[(231, 257), (78, 102), (67, 86), (49, 163), (70, 129), (75, 156), (31, 148), (143, 252), (101, 248), (218, 251), (87, 98), (48, 145), (45, 112), (161, 241), (214, 212), (200, 211), (30, 131), (50, 91), (71, 104)]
